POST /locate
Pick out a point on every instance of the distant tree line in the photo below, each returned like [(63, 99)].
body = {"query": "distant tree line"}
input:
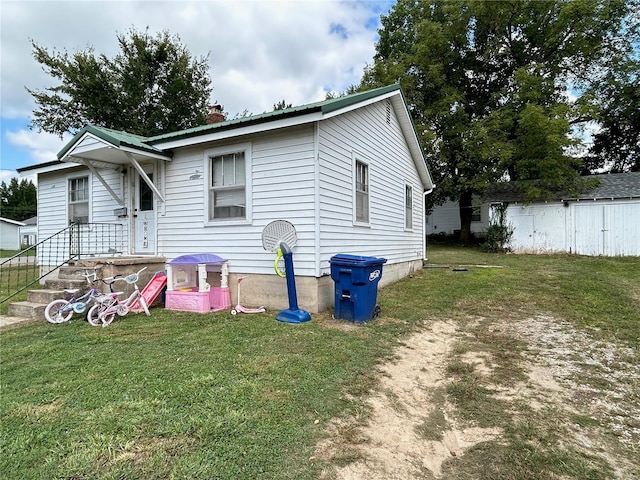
[(18, 199)]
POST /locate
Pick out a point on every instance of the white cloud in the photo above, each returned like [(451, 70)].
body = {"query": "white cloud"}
[(260, 51), (42, 147)]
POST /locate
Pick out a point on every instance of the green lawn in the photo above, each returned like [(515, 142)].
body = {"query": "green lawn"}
[(216, 396)]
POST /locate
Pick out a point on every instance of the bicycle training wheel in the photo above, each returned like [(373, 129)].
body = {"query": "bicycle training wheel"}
[(55, 312)]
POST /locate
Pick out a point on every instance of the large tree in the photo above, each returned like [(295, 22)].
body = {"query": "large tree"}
[(487, 85), (616, 146), (18, 199), (154, 85)]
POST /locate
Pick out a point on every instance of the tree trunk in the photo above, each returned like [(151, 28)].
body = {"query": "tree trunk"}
[(466, 213)]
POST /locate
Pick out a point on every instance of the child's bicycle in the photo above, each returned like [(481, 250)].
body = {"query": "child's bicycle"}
[(61, 310), (103, 313)]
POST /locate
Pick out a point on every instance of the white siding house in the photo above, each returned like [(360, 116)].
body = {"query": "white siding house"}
[(10, 234), (348, 173)]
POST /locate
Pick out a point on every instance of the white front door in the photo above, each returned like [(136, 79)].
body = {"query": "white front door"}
[(144, 217)]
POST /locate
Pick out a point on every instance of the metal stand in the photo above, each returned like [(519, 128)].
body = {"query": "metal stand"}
[(293, 314)]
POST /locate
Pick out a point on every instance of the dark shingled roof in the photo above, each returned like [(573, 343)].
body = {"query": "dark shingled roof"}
[(612, 186)]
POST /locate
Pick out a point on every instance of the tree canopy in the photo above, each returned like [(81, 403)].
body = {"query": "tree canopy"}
[(616, 146), (487, 83), (154, 85), (18, 199)]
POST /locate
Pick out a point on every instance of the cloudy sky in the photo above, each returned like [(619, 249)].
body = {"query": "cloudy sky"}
[(260, 52)]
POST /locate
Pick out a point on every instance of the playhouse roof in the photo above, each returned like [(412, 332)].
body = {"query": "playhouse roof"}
[(198, 258)]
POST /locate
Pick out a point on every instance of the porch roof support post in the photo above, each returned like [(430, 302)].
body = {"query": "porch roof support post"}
[(144, 175), (103, 182)]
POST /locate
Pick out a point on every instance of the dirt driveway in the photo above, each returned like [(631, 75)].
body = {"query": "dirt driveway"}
[(585, 392)]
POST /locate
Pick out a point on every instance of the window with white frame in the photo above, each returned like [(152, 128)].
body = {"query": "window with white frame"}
[(408, 207), (227, 186), (476, 209), (361, 192), (79, 200)]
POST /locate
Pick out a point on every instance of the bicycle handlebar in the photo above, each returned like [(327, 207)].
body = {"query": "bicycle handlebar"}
[(87, 276), (133, 277)]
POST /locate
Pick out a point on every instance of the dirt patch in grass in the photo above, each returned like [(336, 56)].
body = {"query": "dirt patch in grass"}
[(450, 407)]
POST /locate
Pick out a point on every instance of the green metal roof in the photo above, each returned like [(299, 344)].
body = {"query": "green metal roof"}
[(121, 138), (113, 137), (325, 106)]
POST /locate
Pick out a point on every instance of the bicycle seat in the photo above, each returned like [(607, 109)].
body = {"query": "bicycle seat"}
[(71, 291)]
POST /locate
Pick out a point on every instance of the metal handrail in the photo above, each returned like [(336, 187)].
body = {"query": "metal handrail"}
[(73, 242)]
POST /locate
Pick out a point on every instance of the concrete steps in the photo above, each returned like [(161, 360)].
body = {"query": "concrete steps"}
[(37, 299), (27, 310)]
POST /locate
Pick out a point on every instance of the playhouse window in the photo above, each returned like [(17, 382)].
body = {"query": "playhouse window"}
[(361, 192), (408, 207), (227, 196), (79, 200)]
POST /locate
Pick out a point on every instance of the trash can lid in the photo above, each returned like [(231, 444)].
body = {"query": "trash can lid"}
[(356, 260), (198, 258)]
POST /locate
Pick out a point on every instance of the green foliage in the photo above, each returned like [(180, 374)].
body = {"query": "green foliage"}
[(281, 105), (18, 200), (486, 84), (499, 232), (152, 86), (616, 146)]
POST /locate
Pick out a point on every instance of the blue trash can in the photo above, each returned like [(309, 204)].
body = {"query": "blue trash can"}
[(356, 286)]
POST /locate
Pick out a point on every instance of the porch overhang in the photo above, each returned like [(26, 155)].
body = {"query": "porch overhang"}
[(98, 148)]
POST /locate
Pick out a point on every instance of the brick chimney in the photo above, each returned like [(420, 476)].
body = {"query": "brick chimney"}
[(215, 114)]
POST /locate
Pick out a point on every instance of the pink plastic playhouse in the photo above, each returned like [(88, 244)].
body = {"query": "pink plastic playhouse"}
[(198, 283)]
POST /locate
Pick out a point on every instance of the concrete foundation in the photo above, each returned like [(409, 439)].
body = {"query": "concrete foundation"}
[(314, 294)]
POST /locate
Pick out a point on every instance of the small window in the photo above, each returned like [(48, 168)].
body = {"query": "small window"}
[(476, 210), (79, 200), (361, 192), (408, 207), (227, 192)]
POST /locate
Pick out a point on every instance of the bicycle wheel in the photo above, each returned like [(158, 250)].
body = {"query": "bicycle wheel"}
[(107, 319), (94, 315), (56, 312)]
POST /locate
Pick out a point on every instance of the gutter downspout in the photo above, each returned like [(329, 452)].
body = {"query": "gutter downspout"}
[(424, 223), (316, 198)]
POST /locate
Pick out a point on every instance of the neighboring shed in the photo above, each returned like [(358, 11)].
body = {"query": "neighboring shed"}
[(349, 173), (604, 221), (10, 234), (29, 233)]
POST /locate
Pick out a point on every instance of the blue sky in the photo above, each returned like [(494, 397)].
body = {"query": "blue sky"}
[(260, 52)]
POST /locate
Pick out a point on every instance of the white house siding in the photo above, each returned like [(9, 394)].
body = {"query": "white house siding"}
[(282, 182), (390, 168), (9, 235), (53, 211), (602, 227), (445, 219)]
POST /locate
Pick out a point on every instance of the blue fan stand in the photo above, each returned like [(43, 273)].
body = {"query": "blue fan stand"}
[(293, 314)]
